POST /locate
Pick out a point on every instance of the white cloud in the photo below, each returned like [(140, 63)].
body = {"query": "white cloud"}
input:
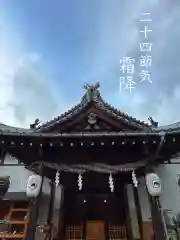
[(25, 92), (33, 94), (6, 85)]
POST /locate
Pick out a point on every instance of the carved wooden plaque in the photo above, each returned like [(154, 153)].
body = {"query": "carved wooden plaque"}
[(95, 230)]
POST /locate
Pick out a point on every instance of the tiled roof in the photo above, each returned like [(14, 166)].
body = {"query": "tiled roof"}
[(6, 128), (174, 127), (92, 96)]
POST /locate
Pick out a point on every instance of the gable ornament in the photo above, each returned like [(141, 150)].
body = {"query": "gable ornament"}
[(92, 92), (153, 123), (92, 118)]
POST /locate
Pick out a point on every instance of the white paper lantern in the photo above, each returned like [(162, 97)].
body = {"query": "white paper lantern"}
[(153, 183), (33, 185)]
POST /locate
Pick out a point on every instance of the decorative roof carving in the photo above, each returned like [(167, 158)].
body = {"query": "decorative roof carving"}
[(92, 118), (153, 123), (92, 92)]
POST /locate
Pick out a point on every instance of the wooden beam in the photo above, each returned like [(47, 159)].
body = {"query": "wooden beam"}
[(31, 229), (128, 218), (158, 225), (61, 223), (138, 211), (37, 206), (51, 203)]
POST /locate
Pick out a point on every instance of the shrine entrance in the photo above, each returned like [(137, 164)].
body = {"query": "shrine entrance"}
[(94, 216)]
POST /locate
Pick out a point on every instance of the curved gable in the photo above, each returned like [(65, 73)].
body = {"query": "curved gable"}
[(93, 114)]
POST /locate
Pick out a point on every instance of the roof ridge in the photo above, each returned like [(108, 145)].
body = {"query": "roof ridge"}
[(91, 95), (119, 112), (170, 127), (62, 115)]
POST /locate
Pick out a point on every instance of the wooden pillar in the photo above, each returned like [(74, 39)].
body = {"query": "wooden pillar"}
[(61, 224), (51, 209), (158, 224), (39, 197), (32, 222), (34, 214), (138, 211), (128, 217), (51, 203), (157, 218)]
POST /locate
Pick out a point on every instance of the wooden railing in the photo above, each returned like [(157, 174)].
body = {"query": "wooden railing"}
[(117, 232), (74, 232)]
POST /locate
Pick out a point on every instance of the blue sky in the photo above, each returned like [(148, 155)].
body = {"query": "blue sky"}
[(49, 49)]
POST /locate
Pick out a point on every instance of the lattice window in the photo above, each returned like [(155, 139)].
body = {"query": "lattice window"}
[(117, 232), (74, 232)]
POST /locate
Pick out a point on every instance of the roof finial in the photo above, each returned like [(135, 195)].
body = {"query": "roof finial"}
[(90, 87), (153, 123), (92, 92)]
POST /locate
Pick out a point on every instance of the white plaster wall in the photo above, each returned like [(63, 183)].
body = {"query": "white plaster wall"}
[(170, 198), (19, 178)]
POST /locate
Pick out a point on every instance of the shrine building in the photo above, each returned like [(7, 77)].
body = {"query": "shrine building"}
[(92, 162)]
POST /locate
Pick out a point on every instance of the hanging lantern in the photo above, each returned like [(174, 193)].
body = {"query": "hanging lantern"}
[(134, 179), (33, 185), (153, 183), (80, 182), (57, 180), (111, 183)]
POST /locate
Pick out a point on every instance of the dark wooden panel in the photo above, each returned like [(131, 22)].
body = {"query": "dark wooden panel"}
[(95, 230), (81, 207)]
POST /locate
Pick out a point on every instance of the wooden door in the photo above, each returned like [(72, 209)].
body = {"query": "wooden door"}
[(95, 230), (148, 233)]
